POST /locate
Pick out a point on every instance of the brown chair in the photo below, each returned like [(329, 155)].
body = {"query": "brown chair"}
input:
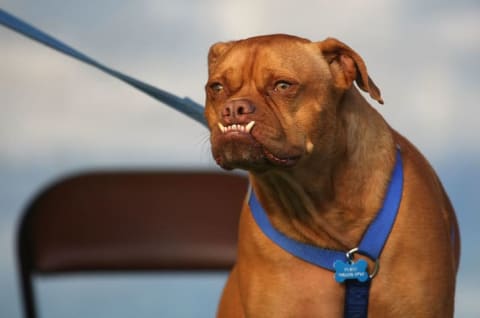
[(130, 221)]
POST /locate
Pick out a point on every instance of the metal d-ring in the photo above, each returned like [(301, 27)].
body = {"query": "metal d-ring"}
[(355, 250)]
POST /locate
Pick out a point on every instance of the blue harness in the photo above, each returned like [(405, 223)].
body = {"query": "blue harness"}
[(353, 274)]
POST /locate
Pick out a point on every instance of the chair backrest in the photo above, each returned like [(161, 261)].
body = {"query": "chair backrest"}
[(130, 221)]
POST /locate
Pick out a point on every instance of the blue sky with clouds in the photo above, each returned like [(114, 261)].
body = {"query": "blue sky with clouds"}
[(59, 116)]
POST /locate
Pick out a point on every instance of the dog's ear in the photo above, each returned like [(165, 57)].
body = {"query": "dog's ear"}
[(217, 50), (347, 66)]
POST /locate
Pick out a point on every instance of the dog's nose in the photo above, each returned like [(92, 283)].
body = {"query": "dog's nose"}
[(238, 109)]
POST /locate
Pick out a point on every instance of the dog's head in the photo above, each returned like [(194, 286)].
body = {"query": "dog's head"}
[(271, 100)]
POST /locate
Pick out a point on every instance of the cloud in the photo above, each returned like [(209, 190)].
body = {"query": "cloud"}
[(55, 106)]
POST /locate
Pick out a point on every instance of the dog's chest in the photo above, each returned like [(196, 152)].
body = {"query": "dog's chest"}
[(296, 292), (273, 281)]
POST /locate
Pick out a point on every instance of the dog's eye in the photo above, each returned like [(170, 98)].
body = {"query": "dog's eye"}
[(282, 86), (216, 87)]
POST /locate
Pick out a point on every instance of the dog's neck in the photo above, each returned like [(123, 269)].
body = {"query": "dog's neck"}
[(329, 200)]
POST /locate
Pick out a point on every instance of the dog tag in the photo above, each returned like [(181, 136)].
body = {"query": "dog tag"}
[(351, 270)]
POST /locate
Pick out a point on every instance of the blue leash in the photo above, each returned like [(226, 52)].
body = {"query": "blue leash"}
[(183, 105), (357, 290), (355, 275)]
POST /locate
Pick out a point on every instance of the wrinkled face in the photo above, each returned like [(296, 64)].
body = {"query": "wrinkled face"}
[(268, 102)]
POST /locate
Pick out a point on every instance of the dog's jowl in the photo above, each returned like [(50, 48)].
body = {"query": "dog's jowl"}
[(327, 174)]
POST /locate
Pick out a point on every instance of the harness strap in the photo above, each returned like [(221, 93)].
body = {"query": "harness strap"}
[(183, 105), (377, 233), (316, 255), (356, 299)]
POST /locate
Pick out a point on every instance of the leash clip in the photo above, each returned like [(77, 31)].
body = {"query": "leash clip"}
[(350, 254)]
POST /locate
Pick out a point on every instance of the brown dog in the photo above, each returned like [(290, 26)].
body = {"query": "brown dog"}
[(320, 159)]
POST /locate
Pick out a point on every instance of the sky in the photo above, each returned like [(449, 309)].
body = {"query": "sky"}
[(59, 116)]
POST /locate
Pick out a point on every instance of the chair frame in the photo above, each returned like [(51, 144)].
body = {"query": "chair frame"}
[(38, 252)]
